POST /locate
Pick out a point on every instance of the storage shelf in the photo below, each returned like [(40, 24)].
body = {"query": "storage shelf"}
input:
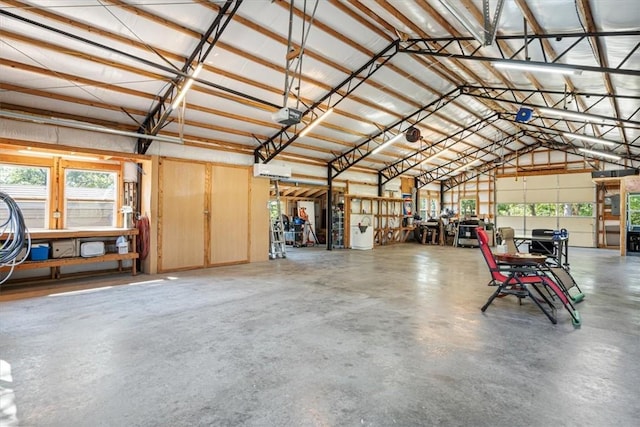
[(60, 262), (54, 264)]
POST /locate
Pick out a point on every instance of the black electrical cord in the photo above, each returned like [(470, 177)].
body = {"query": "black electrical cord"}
[(14, 234)]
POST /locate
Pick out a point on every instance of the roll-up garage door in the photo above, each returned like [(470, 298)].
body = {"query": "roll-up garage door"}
[(550, 202)]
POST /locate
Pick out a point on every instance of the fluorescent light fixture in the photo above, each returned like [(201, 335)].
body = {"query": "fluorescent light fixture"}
[(388, 143), (598, 153), (464, 166), (543, 68), (316, 122), (571, 114), (435, 156), (186, 87), (50, 155), (591, 139)]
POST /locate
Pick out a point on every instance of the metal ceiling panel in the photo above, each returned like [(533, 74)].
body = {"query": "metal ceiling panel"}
[(146, 43)]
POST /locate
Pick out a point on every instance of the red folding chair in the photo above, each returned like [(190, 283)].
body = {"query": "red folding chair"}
[(520, 280)]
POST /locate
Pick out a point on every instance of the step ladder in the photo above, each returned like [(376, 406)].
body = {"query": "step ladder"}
[(276, 231)]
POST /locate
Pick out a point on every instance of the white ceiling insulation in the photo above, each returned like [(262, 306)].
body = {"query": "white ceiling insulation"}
[(382, 66)]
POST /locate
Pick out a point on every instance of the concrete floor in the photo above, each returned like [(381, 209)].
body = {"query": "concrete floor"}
[(392, 336)]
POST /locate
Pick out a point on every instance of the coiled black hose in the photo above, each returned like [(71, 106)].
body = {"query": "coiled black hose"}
[(14, 235)]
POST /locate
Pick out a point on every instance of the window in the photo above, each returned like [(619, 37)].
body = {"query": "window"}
[(576, 209), (28, 186), (541, 209), (90, 198), (633, 208), (468, 207), (422, 212), (510, 209), (428, 206)]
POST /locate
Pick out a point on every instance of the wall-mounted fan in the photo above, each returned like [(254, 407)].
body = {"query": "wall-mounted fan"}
[(412, 134)]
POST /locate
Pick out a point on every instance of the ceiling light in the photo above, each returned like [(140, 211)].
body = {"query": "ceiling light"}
[(591, 139), (187, 85), (30, 152), (434, 156), (316, 122), (464, 166), (598, 153), (388, 143), (543, 68), (571, 114)]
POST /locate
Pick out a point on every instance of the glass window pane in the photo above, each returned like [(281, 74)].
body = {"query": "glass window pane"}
[(434, 208), (541, 209), (90, 198), (28, 186), (634, 211), (467, 206), (576, 209), (510, 209)]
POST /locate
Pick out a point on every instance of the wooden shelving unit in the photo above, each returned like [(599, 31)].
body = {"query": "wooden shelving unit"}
[(387, 218), (608, 224), (54, 264)]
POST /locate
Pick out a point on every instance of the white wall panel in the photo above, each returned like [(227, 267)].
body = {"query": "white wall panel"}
[(581, 231), (363, 190)]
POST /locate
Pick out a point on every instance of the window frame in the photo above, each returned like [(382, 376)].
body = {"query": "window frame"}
[(66, 165), (57, 163), (25, 162)]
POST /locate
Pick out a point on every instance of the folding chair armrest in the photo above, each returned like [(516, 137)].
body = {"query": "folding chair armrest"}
[(510, 268)]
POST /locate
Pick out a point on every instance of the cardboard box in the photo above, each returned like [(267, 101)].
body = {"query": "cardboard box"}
[(64, 248)]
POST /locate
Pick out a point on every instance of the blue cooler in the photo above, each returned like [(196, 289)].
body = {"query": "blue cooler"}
[(40, 252)]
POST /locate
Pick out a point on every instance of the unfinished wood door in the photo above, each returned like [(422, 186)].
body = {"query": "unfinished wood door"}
[(183, 215), (229, 238)]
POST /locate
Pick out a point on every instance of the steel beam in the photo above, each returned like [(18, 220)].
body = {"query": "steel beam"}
[(165, 68), (157, 118), (501, 90), (409, 162), (455, 181), (496, 98), (551, 131), (458, 48), (437, 173), (273, 146), (363, 149)]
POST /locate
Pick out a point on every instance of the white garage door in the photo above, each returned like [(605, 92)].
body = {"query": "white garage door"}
[(550, 202)]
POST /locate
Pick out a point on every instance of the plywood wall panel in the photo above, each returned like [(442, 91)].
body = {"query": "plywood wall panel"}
[(182, 215), (229, 238), (259, 224)]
